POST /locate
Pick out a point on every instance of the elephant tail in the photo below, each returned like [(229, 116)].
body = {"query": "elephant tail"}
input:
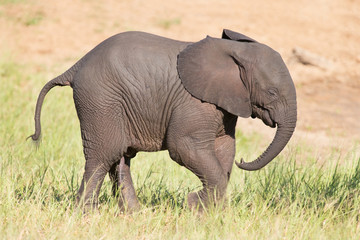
[(64, 79)]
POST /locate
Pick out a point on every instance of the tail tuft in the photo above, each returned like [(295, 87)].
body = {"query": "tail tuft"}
[(35, 137)]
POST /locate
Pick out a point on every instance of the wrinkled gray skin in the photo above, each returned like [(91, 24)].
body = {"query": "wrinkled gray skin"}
[(140, 92)]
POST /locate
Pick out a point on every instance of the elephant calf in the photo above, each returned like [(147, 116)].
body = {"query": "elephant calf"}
[(140, 92)]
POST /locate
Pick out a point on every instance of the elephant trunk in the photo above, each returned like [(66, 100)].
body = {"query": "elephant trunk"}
[(283, 134)]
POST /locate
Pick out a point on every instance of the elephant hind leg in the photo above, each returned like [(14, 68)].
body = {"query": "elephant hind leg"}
[(100, 160), (103, 145), (90, 185), (113, 175), (121, 177), (101, 151)]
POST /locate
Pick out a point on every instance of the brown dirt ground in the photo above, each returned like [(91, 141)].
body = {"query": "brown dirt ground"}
[(54, 34)]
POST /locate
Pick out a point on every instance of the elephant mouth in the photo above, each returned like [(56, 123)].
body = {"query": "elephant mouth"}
[(263, 114)]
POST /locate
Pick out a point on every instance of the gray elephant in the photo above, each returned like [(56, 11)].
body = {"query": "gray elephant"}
[(140, 92)]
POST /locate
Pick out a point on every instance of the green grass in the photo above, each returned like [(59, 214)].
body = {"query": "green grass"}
[(7, 2), (21, 15), (294, 197), (33, 19), (168, 23)]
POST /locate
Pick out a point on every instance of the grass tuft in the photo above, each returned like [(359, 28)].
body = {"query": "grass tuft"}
[(34, 19), (168, 23), (8, 2)]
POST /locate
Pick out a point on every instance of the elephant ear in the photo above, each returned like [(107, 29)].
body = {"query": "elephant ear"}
[(209, 72), (231, 35)]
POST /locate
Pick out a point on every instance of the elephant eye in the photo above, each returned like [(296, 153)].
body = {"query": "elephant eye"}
[(272, 92)]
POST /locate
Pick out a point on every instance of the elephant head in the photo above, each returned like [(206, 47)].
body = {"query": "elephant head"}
[(245, 78)]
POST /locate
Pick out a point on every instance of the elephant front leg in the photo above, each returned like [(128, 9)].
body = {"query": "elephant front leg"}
[(214, 183), (203, 162), (128, 200), (225, 153)]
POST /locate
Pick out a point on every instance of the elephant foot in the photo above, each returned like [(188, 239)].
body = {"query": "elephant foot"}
[(86, 206), (203, 200), (195, 202), (129, 207)]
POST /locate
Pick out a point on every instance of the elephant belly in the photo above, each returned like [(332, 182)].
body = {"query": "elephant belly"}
[(146, 123)]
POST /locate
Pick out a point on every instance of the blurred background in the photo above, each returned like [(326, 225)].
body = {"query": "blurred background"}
[(318, 39)]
